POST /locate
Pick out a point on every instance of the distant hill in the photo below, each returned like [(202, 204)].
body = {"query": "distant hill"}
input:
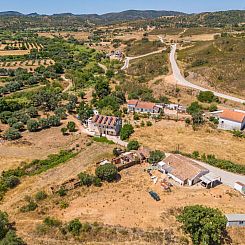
[(10, 13), (120, 16)]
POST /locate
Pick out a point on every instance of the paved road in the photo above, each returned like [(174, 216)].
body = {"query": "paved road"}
[(227, 178), (127, 59), (182, 81)]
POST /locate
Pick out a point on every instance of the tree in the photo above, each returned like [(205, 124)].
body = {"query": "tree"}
[(194, 108), (32, 112), (12, 134), (60, 112), (84, 111), (86, 179), (126, 131), (12, 239), (4, 116), (18, 126), (41, 195), (54, 121), (44, 123), (107, 172), (205, 225), (71, 126), (133, 145), (32, 125), (12, 181), (213, 107), (156, 156)]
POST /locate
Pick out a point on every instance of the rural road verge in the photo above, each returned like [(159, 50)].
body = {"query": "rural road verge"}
[(183, 82)]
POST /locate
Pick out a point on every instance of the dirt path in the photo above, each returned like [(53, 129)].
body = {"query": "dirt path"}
[(69, 83)]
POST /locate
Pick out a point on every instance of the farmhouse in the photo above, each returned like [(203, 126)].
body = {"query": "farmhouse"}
[(183, 170), (235, 220), (105, 125), (143, 107), (232, 120)]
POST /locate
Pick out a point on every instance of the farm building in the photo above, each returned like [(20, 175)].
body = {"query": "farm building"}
[(127, 160), (235, 220), (232, 120), (105, 125), (182, 169), (240, 187), (143, 107)]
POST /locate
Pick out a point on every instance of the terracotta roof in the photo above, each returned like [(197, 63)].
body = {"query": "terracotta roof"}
[(132, 102), (233, 115), (105, 120), (183, 167), (145, 105)]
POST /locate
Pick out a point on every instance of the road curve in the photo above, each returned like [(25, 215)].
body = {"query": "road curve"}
[(183, 82), (127, 59)]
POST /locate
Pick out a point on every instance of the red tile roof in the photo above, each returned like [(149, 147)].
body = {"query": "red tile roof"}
[(233, 115), (105, 120), (145, 105)]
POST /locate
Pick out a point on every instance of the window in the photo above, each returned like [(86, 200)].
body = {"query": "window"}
[(241, 222)]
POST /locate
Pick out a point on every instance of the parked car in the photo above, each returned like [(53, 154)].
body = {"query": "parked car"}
[(154, 195)]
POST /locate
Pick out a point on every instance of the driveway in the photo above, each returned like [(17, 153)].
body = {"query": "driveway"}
[(227, 178), (183, 82)]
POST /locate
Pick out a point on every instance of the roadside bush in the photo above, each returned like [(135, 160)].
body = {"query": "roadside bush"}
[(12, 134), (207, 96), (33, 125), (107, 172), (133, 145)]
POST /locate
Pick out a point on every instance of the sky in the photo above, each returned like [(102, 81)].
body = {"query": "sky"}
[(105, 6)]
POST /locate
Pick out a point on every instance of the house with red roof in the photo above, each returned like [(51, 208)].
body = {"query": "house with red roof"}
[(232, 120), (105, 125), (139, 106)]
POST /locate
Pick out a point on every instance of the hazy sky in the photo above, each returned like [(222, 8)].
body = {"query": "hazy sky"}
[(103, 6)]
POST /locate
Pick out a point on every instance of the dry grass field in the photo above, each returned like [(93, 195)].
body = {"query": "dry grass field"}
[(80, 35), (167, 135)]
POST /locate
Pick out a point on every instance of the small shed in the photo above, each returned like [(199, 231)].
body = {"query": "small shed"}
[(240, 187), (210, 180), (237, 220)]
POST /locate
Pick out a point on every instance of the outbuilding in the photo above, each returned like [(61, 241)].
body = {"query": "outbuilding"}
[(237, 220), (240, 187), (210, 180)]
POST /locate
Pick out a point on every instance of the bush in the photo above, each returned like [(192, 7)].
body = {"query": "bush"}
[(32, 112), (148, 123), (103, 140), (126, 131), (71, 126), (136, 117), (31, 206), (107, 172), (41, 195), (133, 145), (18, 126), (12, 134), (75, 227), (156, 156), (64, 204), (12, 181), (62, 192), (54, 121), (44, 123), (213, 107), (52, 222), (64, 131), (33, 125), (86, 179), (205, 225), (207, 96)]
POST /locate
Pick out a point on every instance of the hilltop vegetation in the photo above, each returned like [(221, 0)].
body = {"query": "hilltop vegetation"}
[(221, 62)]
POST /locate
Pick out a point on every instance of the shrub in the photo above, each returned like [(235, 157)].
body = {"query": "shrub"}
[(32, 112), (133, 145), (18, 126), (62, 192), (52, 222), (238, 133), (85, 179), (33, 125), (205, 225), (71, 126), (75, 227), (126, 131), (12, 181), (213, 107), (107, 172), (136, 117), (31, 206), (41, 195), (156, 156), (103, 140), (97, 182), (11, 121), (12, 134), (148, 123), (44, 123), (64, 131), (54, 121), (64, 204), (207, 96)]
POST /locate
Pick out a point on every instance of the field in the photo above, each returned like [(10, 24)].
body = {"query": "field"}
[(80, 35), (168, 135), (220, 63), (149, 67)]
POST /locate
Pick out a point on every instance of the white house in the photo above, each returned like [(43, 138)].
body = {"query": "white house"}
[(182, 169), (232, 120), (143, 107)]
